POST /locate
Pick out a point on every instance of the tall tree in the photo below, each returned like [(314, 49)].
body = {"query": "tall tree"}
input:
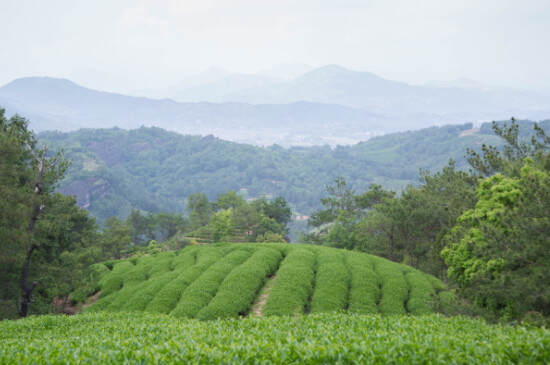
[(499, 252), (29, 177)]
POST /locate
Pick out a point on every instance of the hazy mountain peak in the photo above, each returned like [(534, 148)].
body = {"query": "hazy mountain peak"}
[(340, 74), (24, 83)]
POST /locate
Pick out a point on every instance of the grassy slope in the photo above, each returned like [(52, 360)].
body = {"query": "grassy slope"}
[(114, 338), (223, 280)]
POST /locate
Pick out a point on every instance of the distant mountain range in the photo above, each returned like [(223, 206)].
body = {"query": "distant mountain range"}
[(327, 105), (58, 104), (450, 101)]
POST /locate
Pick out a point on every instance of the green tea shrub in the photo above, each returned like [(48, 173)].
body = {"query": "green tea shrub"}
[(293, 284), (114, 280), (331, 283), (421, 293), (167, 298), (198, 294), (185, 258), (121, 297), (326, 338), (163, 263), (207, 283), (364, 286), (139, 300), (241, 286), (395, 290)]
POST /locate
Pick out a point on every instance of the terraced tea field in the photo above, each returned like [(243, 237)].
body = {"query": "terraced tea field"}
[(229, 280), (147, 338), (266, 303)]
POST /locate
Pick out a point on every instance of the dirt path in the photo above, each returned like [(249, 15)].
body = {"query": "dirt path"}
[(91, 300), (258, 306)]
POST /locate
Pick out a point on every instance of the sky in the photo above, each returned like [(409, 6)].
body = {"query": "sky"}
[(128, 45)]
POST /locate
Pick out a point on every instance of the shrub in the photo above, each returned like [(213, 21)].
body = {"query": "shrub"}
[(122, 297), (331, 283), (293, 283), (241, 286), (394, 287), (364, 286), (167, 298), (113, 281), (421, 293), (163, 263), (327, 338), (185, 258), (141, 298), (198, 294)]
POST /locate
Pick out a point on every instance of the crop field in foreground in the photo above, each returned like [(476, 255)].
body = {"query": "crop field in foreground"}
[(225, 281), (103, 338)]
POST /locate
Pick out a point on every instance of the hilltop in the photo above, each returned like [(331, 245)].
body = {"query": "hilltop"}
[(226, 280)]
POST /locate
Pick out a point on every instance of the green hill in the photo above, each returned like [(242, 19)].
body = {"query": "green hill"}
[(154, 170), (232, 280)]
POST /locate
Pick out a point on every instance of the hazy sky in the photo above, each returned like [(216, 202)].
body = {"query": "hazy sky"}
[(125, 45)]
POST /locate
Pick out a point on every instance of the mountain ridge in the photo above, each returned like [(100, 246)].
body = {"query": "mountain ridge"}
[(68, 106)]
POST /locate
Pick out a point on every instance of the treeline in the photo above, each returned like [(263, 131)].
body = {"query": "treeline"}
[(486, 230), (47, 242), (232, 219)]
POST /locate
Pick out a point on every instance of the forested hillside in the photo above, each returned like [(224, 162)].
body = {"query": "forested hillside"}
[(114, 170)]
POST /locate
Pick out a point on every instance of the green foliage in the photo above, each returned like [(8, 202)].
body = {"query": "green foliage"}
[(137, 173), (141, 297), (498, 253), (293, 283), (165, 261), (184, 259), (109, 338), (241, 286), (519, 144), (115, 279), (199, 209), (231, 219), (166, 299), (395, 290), (421, 293), (199, 293), (224, 280), (410, 226), (270, 237), (364, 284), (47, 241), (332, 283)]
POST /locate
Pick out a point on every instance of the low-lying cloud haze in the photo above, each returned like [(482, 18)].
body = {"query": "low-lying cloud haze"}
[(126, 45)]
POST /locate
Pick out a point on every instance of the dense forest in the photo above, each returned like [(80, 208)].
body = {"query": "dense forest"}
[(114, 171)]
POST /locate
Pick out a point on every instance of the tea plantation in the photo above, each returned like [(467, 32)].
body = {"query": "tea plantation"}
[(224, 281), (148, 338), (266, 303)]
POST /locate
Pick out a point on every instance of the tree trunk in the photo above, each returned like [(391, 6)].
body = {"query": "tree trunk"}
[(390, 255), (26, 287)]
